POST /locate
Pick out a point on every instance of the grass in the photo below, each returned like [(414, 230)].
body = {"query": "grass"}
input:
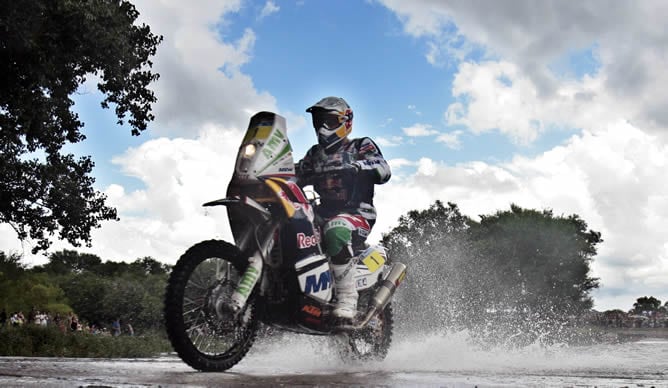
[(34, 341)]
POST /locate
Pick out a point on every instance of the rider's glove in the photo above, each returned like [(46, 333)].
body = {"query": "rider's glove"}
[(302, 170), (355, 167)]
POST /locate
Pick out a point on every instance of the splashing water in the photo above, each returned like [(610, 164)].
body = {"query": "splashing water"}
[(454, 359)]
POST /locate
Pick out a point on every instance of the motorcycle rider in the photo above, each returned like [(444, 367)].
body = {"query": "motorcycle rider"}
[(343, 172)]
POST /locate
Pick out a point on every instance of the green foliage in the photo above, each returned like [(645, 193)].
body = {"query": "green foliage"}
[(434, 245), (68, 261), (135, 300), (48, 49), (85, 291), (99, 299), (648, 304), (541, 261), (11, 266), (516, 271), (149, 266), (31, 341), (72, 262), (97, 292), (25, 291)]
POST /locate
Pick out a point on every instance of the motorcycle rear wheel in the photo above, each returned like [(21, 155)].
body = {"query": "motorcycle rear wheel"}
[(205, 334), (371, 343)]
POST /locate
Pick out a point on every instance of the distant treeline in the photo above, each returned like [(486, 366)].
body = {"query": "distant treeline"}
[(97, 292), (519, 273)]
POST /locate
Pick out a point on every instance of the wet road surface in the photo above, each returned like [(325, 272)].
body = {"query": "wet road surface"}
[(434, 361), (170, 371)]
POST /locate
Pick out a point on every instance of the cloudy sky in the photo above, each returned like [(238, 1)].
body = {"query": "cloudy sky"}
[(550, 105)]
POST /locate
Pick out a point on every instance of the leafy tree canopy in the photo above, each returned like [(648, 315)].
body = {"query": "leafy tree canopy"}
[(69, 261), (433, 243), (514, 268), (97, 291), (646, 304), (540, 260), (10, 266), (47, 48)]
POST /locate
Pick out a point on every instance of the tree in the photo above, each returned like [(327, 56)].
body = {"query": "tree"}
[(515, 276), (433, 243), (541, 261), (85, 291), (148, 266), (47, 49), (69, 261), (136, 300), (11, 266), (645, 303), (23, 290)]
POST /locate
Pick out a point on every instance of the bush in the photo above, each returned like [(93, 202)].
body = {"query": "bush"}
[(35, 341)]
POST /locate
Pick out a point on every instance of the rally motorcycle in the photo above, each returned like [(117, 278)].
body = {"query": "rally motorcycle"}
[(275, 273)]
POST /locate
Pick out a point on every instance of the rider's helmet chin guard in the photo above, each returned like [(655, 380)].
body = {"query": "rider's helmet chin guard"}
[(332, 120)]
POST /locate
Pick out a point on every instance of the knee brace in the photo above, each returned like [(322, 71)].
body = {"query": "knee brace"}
[(338, 240)]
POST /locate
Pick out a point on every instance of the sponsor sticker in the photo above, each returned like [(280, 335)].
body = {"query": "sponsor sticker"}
[(374, 261), (272, 145), (312, 310), (304, 241), (315, 283)]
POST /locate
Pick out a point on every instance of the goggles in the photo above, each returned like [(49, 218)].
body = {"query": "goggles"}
[(328, 120)]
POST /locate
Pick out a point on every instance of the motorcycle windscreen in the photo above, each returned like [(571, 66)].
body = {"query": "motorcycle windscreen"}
[(265, 150), (315, 278)]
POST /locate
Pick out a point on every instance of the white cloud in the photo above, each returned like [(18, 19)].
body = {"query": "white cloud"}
[(392, 141), (400, 163), (418, 130), (200, 77), (608, 177), (387, 122), (179, 176), (628, 39), (450, 139), (496, 96), (413, 108), (268, 9)]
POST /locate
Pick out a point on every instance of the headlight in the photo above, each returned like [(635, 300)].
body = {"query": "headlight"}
[(249, 150)]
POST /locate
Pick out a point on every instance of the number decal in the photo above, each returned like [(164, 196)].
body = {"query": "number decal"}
[(374, 261)]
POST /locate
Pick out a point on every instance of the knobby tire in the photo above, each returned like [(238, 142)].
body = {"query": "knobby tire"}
[(174, 310)]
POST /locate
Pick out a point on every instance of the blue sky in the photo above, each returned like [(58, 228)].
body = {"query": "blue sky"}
[(555, 105)]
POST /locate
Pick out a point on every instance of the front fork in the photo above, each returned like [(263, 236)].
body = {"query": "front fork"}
[(247, 282), (253, 272)]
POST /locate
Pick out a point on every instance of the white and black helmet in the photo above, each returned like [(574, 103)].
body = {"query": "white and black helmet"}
[(332, 120)]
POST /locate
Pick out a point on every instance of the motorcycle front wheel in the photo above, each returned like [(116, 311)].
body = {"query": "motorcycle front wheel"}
[(206, 334)]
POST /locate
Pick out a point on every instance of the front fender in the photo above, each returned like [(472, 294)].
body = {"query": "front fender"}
[(289, 195)]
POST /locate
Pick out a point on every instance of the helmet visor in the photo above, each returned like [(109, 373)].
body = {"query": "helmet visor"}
[(326, 120)]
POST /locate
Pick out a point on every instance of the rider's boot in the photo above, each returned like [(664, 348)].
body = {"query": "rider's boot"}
[(346, 292)]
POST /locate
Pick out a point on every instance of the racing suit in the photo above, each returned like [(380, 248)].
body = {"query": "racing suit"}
[(345, 180)]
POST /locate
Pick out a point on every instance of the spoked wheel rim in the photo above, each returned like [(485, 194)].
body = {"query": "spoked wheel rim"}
[(366, 343), (209, 324), (371, 343), (202, 331)]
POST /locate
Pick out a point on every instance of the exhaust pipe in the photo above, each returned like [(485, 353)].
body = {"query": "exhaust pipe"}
[(382, 296)]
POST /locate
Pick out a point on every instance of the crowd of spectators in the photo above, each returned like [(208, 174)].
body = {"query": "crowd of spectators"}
[(631, 319), (65, 323)]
